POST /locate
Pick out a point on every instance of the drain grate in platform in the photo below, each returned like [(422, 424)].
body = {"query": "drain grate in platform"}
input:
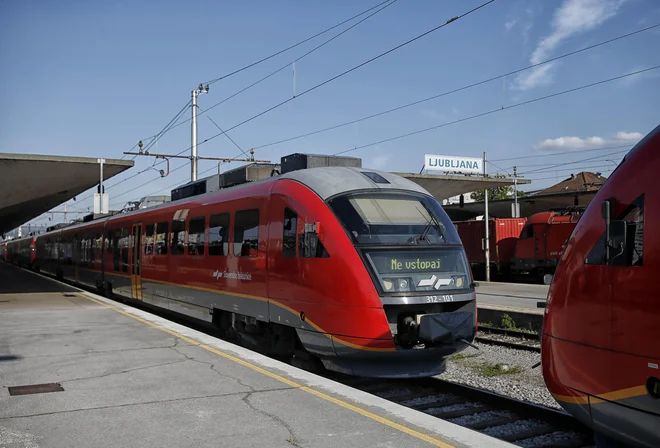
[(70, 295), (4, 301), (35, 389)]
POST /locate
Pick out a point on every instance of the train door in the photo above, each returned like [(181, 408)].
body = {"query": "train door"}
[(136, 261)]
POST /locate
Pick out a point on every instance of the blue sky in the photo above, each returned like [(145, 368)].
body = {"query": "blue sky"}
[(91, 78)]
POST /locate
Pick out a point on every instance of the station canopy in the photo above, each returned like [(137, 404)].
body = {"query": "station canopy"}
[(30, 185), (445, 186), (577, 190)]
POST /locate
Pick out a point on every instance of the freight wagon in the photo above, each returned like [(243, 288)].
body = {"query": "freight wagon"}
[(503, 235)]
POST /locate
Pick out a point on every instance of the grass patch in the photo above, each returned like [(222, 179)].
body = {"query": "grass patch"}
[(490, 369), (462, 355), (507, 323)]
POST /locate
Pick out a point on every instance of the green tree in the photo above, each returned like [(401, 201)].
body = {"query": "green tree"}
[(496, 193)]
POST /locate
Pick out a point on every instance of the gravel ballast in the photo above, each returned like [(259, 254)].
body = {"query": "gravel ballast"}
[(468, 366)]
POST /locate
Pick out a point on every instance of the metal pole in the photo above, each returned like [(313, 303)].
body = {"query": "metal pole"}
[(193, 134), (487, 242), (515, 194), (101, 182), (193, 138)]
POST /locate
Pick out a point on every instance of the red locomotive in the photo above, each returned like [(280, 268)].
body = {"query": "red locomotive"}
[(601, 333), (519, 247), (542, 240), (359, 269)]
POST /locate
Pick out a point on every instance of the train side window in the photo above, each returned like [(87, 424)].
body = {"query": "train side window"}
[(196, 229), (527, 232), (290, 232), (149, 239), (311, 248), (161, 238), (634, 255), (634, 217), (219, 234), (246, 233), (178, 237), (116, 250), (124, 249)]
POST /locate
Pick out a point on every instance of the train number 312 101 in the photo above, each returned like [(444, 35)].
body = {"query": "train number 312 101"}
[(438, 299)]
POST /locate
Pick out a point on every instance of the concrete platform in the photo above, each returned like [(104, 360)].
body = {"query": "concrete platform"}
[(513, 295), (131, 378)]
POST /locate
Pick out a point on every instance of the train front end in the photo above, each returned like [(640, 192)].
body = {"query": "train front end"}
[(408, 301)]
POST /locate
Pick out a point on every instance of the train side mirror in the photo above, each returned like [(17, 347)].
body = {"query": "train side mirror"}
[(617, 239), (606, 211)]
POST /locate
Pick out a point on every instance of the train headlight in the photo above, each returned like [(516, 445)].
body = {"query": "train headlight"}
[(388, 284), (402, 284), (459, 282)]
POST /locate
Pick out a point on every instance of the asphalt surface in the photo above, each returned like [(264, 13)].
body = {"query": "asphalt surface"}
[(130, 378), (518, 295)]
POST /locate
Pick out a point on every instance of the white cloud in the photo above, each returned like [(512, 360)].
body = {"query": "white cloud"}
[(573, 17), (570, 143), (629, 136), (535, 77), (510, 24)]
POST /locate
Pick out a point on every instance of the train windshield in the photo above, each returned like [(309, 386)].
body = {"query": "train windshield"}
[(387, 219)]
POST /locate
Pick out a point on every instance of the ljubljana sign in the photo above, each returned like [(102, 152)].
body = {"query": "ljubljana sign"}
[(433, 162)]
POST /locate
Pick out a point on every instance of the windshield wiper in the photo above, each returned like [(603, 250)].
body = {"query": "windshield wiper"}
[(432, 221)]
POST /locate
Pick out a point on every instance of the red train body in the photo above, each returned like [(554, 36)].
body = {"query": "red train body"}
[(359, 269), (601, 333), (21, 251)]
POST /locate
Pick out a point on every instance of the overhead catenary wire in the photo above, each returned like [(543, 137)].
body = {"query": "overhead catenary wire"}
[(561, 153), (538, 99), (344, 73), (573, 162), (459, 89), (499, 109), (287, 65), (610, 168), (550, 165), (252, 64)]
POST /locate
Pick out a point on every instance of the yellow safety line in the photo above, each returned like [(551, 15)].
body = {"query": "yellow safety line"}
[(425, 437)]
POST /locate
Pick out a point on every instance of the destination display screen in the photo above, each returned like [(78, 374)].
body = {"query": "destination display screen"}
[(418, 261)]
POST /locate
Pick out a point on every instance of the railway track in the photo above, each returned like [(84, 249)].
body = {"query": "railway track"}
[(516, 339), (520, 423)]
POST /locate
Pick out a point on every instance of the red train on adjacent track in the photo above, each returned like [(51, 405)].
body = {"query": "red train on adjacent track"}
[(359, 269), (601, 333), (519, 247)]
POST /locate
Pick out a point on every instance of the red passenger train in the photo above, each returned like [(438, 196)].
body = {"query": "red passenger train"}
[(359, 269), (601, 333), (21, 251)]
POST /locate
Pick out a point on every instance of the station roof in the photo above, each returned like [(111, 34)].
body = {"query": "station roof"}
[(445, 186), (578, 189), (33, 184), (528, 205)]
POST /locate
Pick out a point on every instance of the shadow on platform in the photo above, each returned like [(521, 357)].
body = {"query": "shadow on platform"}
[(14, 280)]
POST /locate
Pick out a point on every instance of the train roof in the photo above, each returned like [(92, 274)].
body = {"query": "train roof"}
[(326, 182)]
